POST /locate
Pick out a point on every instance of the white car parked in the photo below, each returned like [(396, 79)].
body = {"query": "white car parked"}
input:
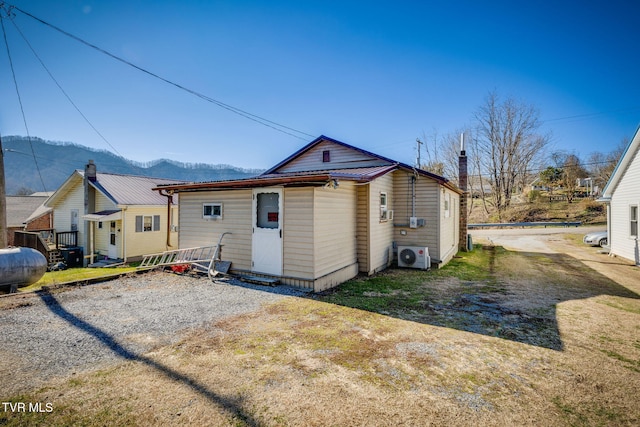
[(597, 238)]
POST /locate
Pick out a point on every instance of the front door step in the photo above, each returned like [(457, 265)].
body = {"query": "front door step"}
[(259, 280)]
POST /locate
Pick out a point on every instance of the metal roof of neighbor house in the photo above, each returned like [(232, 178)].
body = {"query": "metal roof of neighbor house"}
[(120, 189), (130, 189), (20, 208), (40, 211)]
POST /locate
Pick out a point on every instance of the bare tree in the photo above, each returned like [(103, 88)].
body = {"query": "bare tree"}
[(507, 144), (442, 155), (24, 191), (442, 152), (601, 166), (432, 161)]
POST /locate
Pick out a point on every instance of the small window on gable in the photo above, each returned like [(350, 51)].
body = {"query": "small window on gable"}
[(211, 210), (633, 221), (326, 156)]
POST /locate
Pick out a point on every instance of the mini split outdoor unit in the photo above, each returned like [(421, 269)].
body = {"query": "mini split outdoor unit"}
[(414, 257)]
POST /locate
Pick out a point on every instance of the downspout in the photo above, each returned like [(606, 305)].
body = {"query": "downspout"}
[(413, 195), (169, 196)]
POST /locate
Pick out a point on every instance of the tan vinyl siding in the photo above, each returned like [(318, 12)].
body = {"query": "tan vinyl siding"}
[(380, 232), (335, 278), (362, 227), (450, 224), (334, 228), (427, 206), (298, 259), (236, 218), (626, 194), (341, 158)]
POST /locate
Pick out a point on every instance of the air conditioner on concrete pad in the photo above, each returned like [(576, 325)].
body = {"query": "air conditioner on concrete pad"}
[(414, 257)]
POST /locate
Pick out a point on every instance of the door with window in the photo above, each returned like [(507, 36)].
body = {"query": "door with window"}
[(74, 219), (113, 241), (266, 247)]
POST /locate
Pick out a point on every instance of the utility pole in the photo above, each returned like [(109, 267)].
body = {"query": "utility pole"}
[(3, 201), (419, 150)]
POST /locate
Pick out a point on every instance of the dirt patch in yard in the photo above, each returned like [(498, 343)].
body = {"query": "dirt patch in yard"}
[(500, 337)]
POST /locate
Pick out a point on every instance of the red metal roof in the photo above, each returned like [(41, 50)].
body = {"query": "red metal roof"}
[(290, 178)]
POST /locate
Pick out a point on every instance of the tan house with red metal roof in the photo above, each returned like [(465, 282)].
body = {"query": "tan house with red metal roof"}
[(321, 216)]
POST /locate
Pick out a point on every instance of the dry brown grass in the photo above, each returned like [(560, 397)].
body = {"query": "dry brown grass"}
[(305, 362)]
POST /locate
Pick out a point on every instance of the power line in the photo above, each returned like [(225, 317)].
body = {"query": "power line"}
[(24, 118), (63, 91), (584, 116), (258, 119)]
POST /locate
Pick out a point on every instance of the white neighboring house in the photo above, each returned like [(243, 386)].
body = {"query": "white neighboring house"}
[(622, 196), (113, 216)]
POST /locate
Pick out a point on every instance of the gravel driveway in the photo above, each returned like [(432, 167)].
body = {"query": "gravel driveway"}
[(44, 336)]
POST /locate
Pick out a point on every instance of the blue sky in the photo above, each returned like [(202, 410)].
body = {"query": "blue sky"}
[(372, 74)]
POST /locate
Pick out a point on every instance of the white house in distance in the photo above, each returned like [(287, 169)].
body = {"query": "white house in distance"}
[(322, 215), (113, 216), (622, 195)]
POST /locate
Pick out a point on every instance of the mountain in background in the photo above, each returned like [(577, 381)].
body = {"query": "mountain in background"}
[(58, 160)]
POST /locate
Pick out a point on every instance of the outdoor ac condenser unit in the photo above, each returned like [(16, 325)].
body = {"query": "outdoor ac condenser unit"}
[(414, 257)]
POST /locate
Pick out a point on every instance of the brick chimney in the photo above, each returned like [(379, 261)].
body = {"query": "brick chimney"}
[(462, 184), (90, 171)]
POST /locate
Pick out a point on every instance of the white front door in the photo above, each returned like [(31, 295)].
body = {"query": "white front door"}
[(113, 242), (266, 248)]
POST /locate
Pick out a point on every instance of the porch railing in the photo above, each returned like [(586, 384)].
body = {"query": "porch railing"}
[(66, 239), (32, 239)]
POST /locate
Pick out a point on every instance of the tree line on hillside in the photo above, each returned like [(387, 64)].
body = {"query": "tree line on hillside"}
[(506, 152), (34, 165)]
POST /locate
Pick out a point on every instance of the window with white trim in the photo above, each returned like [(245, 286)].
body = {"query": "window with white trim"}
[(146, 223), (633, 220), (211, 210), (384, 211)]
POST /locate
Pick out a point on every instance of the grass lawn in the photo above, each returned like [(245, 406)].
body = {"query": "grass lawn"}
[(496, 338), (75, 275)]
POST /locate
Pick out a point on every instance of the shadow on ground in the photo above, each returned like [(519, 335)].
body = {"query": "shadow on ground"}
[(495, 292), (233, 407)]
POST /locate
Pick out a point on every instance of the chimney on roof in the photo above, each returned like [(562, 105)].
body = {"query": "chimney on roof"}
[(90, 171), (462, 184)]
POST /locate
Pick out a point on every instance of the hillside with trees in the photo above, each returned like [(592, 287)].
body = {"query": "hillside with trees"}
[(57, 160)]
